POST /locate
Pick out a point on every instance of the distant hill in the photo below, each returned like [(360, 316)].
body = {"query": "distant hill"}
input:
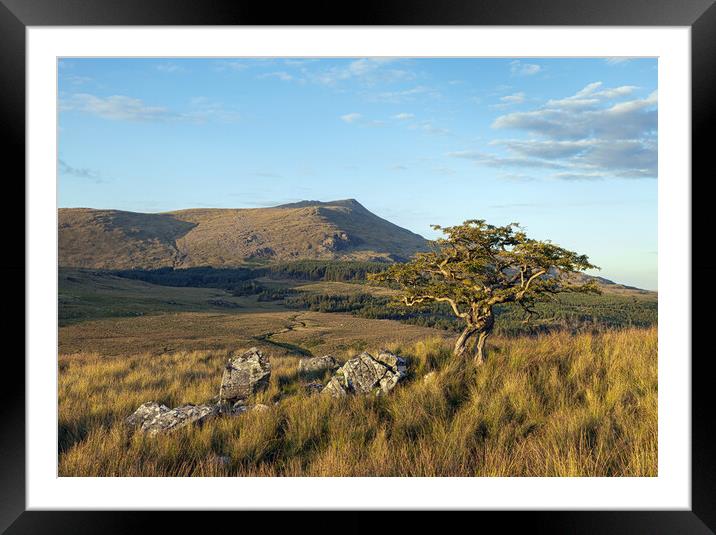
[(338, 230)]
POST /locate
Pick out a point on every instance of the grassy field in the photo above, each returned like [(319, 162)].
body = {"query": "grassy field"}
[(86, 295), (557, 404), (554, 405), (281, 332)]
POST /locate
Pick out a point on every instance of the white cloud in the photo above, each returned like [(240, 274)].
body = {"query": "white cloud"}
[(404, 116), (509, 100), (516, 98), (115, 107), (280, 75), (596, 133), (495, 160), (204, 110), (591, 95), (430, 128), (125, 108), (357, 118), (351, 117), (224, 65), (75, 79), (368, 71), (78, 172), (404, 95), (517, 68)]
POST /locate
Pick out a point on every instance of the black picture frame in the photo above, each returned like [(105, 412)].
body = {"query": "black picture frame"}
[(17, 15)]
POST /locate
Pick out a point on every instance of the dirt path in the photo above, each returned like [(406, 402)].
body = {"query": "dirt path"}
[(295, 325)]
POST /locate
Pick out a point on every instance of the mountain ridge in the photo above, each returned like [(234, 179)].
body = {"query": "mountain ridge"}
[(230, 237)]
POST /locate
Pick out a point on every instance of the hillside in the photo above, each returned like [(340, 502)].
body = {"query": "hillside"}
[(338, 230)]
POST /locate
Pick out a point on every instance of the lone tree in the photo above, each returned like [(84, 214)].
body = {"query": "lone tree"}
[(477, 266)]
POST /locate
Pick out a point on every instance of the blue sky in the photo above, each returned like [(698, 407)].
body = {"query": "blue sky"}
[(566, 147)]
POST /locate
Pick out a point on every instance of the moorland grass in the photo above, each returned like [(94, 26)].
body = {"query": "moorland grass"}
[(551, 405)]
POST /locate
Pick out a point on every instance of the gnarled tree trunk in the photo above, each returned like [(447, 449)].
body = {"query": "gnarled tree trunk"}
[(480, 351), (486, 325), (480, 327), (461, 343)]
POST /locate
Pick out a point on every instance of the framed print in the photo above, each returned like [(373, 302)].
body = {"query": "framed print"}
[(277, 261)]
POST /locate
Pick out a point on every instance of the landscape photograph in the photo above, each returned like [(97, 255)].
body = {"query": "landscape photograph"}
[(360, 266)]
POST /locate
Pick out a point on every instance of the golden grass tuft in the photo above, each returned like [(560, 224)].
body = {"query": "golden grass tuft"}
[(554, 405)]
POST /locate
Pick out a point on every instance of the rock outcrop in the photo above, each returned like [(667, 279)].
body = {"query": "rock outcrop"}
[(153, 418), (244, 375), (146, 411), (249, 373), (366, 374), (315, 364)]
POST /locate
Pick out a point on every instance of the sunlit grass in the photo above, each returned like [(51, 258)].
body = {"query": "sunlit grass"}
[(554, 405)]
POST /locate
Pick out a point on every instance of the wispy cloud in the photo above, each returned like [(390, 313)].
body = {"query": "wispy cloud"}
[(115, 107), (125, 108), (405, 95), (432, 129), (170, 68), (204, 110), (367, 71), (79, 172), (75, 79), (594, 134), (510, 100), (404, 116), (351, 117), (357, 118), (516, 98), (299, 62), (279, 75), (230, 65), (496, 160), (517, 68)]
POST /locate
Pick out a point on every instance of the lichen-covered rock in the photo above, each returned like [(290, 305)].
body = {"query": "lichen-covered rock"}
[(245, 375), (336, 387), (146, 411), (157, 419), (366, 374), (313, 364), (392, 361)]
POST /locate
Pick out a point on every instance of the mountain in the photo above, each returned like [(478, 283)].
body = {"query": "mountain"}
[(340, 230)]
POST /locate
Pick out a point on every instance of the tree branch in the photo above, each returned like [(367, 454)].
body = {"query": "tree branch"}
[(410, 301)]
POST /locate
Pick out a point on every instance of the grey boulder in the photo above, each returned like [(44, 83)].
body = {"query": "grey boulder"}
[(153, 418), (366, 374), (245, 375), (146, 411), (326, 362)]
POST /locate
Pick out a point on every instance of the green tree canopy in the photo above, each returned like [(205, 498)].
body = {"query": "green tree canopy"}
[(477, 266)]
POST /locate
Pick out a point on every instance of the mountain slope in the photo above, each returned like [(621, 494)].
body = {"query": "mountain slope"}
[(345, 230)]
